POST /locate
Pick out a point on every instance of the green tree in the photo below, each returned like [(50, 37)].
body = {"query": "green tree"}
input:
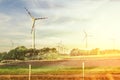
[(20, 52), (2, 55), (48, 53), (17, 53)]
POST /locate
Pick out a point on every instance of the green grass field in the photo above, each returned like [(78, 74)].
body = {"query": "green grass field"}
[(17, 70)]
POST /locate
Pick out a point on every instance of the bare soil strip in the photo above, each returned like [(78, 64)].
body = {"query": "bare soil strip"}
[(90, 62), (62, 77)]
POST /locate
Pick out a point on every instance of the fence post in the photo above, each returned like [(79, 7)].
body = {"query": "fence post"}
[(83, 70), (29, 71), (9, 77)]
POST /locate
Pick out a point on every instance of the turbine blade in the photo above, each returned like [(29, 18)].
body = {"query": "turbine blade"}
[(41, 18), (29, 13), (33, 25), (84, 38), (85, 33)]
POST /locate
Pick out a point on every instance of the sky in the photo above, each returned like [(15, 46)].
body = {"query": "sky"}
[(67, 22)]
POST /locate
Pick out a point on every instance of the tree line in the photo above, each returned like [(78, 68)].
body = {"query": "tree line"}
[(96, 51), (23, 53)]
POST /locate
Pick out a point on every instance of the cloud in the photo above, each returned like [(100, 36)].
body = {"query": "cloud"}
[(4, 23), (4, 18), (1, 1), (45, 4)]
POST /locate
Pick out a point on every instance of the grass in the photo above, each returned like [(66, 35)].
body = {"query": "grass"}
[(56, 70), (37, 70), (13, 70)]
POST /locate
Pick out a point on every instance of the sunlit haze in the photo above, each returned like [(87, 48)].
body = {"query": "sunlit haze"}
[(67, 22)]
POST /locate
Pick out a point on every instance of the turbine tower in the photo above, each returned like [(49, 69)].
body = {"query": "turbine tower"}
[(12, 44), (86, 39), (33, 26)]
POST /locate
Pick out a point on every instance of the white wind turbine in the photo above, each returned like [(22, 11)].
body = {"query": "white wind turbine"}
[(86, 39), (33, 27)]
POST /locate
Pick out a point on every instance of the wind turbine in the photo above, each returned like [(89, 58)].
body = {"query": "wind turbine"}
[(33, 26), (86, 39), (60, 47), (12, 44), (83, 63)]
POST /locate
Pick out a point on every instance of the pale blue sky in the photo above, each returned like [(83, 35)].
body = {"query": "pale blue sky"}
[(67, 21)]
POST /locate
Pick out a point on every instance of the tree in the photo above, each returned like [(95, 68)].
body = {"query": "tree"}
[(48, 53), (95, 51), (2, 55), (17, 53), (74, 52), (20, 52)]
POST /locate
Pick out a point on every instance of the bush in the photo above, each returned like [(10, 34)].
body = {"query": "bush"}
[(49, 56)]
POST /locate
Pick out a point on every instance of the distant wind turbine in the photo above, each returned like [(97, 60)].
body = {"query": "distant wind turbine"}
[(33, 26), (12, 43), (86, 39)]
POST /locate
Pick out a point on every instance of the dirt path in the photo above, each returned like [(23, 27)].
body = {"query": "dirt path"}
[(62, 77), (71, 62)]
